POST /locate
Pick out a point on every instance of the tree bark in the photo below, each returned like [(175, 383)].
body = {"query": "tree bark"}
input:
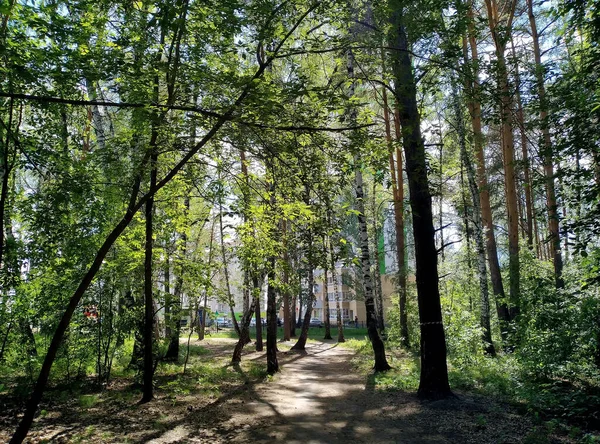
[(272, 364), (148, 391), (340, 324), (326, 302), (524, 152), (378, 291), (553, 227), (301, 343), (484, 319), (259, 332), (286, 283), (381, 363), (474, 106), (434, 373), (500, 30)]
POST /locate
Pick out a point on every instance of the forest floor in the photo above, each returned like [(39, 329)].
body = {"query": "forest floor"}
[(318, 397)]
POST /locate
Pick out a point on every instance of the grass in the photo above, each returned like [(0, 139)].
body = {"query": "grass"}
[(554, 405)]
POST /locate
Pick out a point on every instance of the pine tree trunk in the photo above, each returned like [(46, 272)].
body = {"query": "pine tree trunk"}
[(484, 193), (434, 372), (525, 153), (400, 237), (553, 227), (508, 150)]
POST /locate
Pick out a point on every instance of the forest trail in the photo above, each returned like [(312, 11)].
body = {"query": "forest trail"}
[(317, 398)]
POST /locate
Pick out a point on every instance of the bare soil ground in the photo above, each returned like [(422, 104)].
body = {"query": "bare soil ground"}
[(316, 398)]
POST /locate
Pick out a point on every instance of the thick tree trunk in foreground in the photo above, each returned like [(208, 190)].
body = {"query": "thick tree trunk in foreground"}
[(478, 230), (434, 372), (553, 227), (474, 106)]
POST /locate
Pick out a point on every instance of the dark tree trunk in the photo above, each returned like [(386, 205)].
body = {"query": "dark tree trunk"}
[(272, 364), (301, 343), (378, 291), (259, 332), (148, 392), (245, 327), (173, 350), (286, 295), (434, 371)]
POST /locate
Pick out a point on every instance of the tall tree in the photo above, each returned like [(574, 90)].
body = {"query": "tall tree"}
[(434, 371)]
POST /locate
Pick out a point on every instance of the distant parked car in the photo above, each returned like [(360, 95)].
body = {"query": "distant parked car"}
[(222, 322), (315, 323), (253, 322)]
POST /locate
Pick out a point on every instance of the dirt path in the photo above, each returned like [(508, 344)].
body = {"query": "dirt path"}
[(318, 399)]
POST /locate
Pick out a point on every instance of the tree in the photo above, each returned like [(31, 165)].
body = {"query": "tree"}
[(434, 371)]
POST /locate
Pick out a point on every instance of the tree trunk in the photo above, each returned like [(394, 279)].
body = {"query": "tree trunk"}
[(259, 332), (397, 176), (381, 363), (484, 192), (286, 294), (301, 343), (434, 372), (478, 230), (553, 227), (340, 324), (326, 302), (148, 392), (272, 364), (525, 153), (245, 327), (230, 300), (508, 149), (376, 271), (173, 350)]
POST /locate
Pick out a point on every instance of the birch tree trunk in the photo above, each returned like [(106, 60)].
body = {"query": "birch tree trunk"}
[(477, 228)]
